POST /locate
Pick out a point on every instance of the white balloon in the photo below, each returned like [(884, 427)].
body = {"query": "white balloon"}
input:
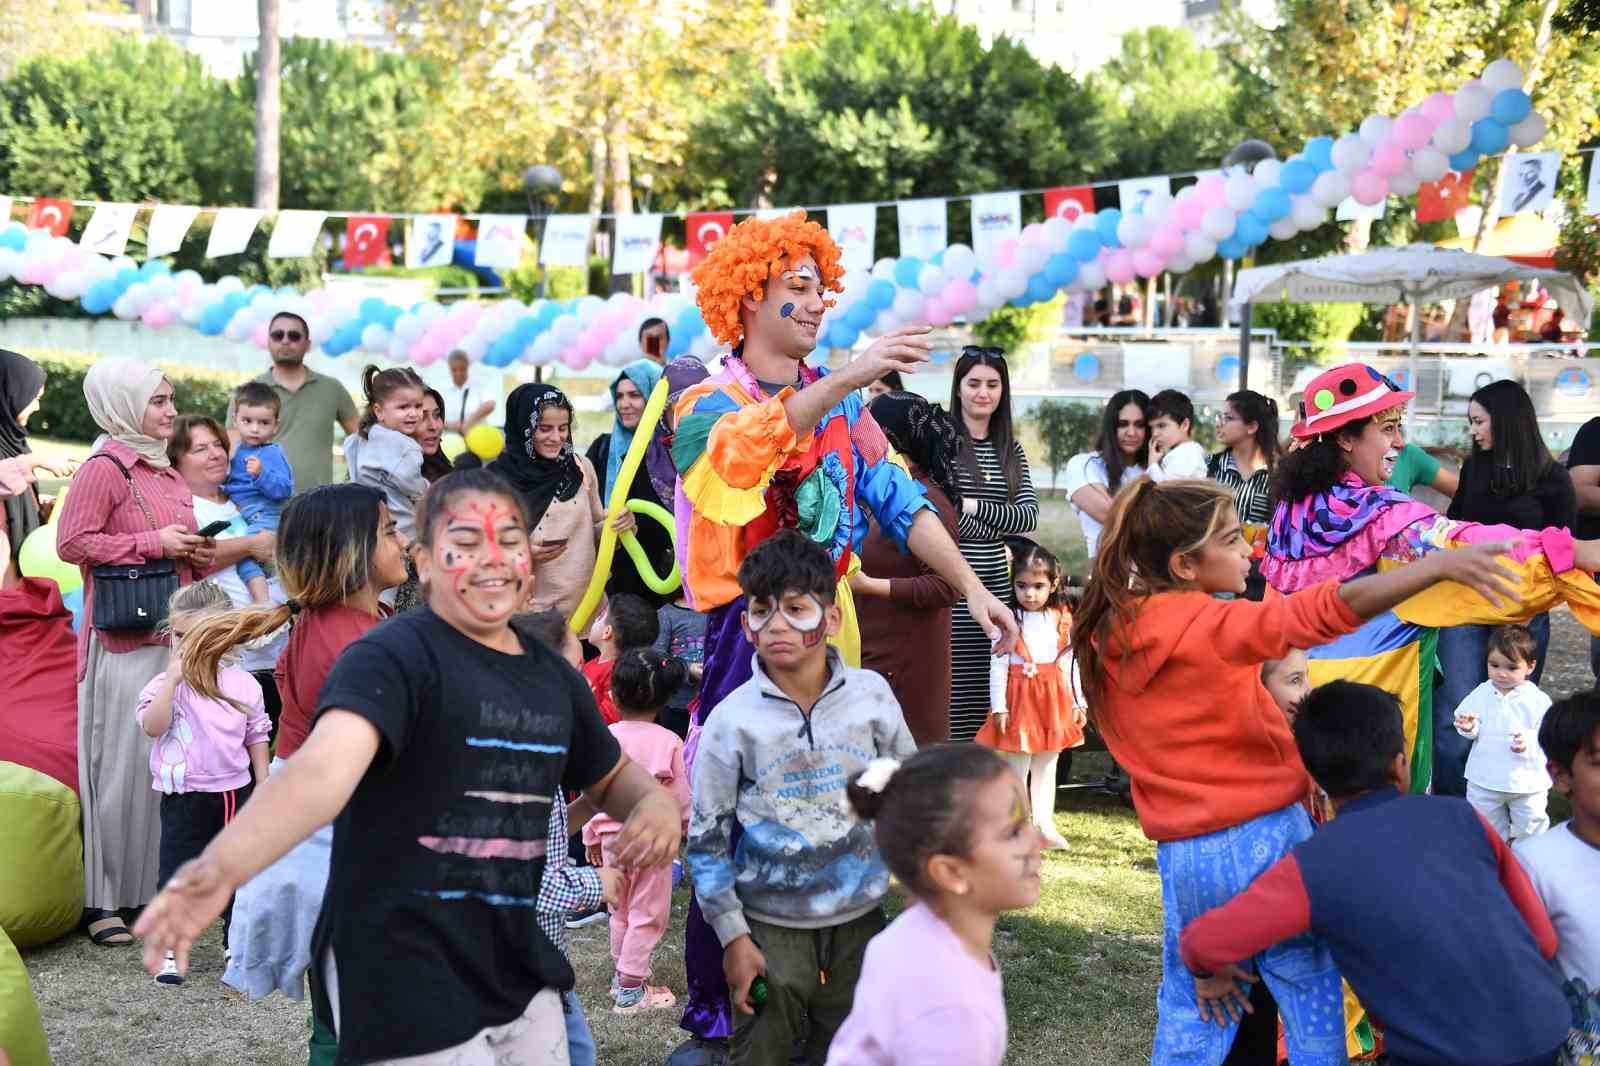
[(1218, 223), (1283, 229), (1133, 231), (1453, 136), (229, 284), (1350, 154), (409, 327), (1198, 247), (1240, 189), (883, 269), (930, 280), (163, 286), (1375, 129), (190, 312), (1474, 100), (476, 346), (429, 312), (1092, 275), (1031, 257), (1429, 164), (959, 261), (1266, 174), (238, 328), (566, 329), (704, 347), (375, 338), (588, 308), (1307, 213), (1502, 74), (399, 347), (908, 304), (989, 293), (1056, 232), (617, 300), (137, 296), (1157, 206), (1180, 264), (544, 349), (1530, 131), (1013, 282), (1405, 183), (1330, 188)]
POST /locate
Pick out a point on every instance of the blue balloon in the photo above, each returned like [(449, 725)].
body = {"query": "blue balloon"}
[(154, 268), (906, 269), (73, 601), (123, 278), (860, 316), (1040, 289), (1319, 153), (1490, 137), (1105, 224), (880, 293), (214, 319), (370, 309), (1084, 244), (1297, 175), (14, 236), (99, 297), (1020, 301), (1510, 106), (525, 329), (678, 345), (1463, 161), (390, 316), (937, 258), (1234, 247), (844, 334), (1060, 269), (1250, 230), (504, 349), (1271, 205)]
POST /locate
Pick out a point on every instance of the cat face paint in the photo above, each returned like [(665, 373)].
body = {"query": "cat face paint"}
[(482, 559)]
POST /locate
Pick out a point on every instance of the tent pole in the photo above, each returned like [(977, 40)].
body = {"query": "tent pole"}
[(1412, 380), (1244, 347)]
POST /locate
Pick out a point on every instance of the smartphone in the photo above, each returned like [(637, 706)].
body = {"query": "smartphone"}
[(652, 345), (219, 526)]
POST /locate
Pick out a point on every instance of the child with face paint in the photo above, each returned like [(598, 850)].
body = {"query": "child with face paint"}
[(952, 824), (801, 897), (440, 743)]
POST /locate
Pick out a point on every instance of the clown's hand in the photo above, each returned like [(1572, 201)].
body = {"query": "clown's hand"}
[(904, 350)]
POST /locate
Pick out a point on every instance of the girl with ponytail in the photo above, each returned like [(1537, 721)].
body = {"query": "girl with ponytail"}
[(1173, 679)]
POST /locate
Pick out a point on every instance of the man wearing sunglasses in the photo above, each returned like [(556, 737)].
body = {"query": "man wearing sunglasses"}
[(309, 404)]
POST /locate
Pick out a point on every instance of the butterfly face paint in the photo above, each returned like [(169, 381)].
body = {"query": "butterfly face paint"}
[(482, 556), (805, 614)]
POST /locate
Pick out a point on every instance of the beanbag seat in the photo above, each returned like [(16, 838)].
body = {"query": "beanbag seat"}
[(21, 1033), (39, 701), (41, 835)]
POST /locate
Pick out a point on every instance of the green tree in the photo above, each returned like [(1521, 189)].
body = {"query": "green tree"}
[(1168, 104), (1065, 429)]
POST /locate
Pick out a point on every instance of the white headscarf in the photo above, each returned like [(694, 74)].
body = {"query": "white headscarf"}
[(118, 391)]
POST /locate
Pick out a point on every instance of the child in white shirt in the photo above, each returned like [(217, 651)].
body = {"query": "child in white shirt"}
[(1172, 453), (1506, 777)]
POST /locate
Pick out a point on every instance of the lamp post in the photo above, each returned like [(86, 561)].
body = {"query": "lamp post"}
[(538, 183)]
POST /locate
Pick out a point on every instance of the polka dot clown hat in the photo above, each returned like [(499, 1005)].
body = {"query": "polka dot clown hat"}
[(1342, 395)]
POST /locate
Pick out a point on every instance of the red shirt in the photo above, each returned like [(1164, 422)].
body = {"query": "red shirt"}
[(319, 636), (598, 673)]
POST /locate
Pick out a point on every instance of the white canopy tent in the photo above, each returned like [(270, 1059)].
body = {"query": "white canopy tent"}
[(1417, 274)]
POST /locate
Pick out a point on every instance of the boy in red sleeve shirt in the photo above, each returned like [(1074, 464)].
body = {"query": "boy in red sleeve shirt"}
[(626, 622)]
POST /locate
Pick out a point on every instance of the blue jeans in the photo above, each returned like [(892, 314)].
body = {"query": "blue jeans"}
[(580, 1042), (1463, 659)]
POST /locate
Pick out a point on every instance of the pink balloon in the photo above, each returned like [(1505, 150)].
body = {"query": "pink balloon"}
[(959, 295), (161, 315), (590, 346), (575, 359), (320, 299), (425, 358), (1189, 211), (259, 336), (1167, 241), (1211, 191), (1369, 187), (1119, 265), (1440, 107), (1005, 253), (1032, 233), (1389, 159), (936, 312), (1147, 263), (1413, 129)]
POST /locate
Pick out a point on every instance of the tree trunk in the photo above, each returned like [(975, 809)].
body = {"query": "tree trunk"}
[(597, 173), (621, 190), (267, 107)]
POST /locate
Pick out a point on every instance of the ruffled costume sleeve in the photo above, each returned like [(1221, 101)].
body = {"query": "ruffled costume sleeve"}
[(728, 451), (893, 496)]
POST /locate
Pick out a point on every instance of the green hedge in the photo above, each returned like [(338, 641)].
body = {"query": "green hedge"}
[(64, 415)]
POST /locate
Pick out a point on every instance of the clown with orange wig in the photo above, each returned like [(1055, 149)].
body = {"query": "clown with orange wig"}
[(769, 443)]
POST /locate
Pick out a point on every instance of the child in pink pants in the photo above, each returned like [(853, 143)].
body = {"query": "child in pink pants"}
[(642, 682)]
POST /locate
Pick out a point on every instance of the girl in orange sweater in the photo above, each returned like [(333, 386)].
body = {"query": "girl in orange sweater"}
[(1173, 678)]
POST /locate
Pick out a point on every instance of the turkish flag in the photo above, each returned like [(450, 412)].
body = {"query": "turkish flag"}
[(52, 215), (366, 241), (1069, 202), (1445, 198), (705, 230)]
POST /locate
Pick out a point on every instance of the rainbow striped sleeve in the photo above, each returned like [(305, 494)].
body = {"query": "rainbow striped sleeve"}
[(727, 448)]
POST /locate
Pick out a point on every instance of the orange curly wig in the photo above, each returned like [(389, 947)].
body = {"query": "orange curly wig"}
[(754, 252)]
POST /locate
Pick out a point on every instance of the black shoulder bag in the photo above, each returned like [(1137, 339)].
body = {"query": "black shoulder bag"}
[(133, 597)]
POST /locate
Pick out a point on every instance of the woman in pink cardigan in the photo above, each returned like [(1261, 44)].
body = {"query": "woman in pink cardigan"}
[(102, 523)]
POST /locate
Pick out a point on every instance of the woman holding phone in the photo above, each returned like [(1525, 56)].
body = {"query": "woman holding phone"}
[(561, 492)]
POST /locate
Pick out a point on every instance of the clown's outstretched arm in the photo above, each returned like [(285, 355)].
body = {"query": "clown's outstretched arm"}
[(929, 542), (904, 350)]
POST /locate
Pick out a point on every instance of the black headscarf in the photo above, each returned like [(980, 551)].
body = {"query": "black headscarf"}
[(924, 434), (541, 481), (20, 381)]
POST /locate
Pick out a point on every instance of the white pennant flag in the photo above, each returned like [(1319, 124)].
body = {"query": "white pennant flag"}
[(295, 234), (853, 228), (5, 210), (107, 231), (638, 237), (231, 231), (923, 231), (1351, 209), (767, 214), (566, 240), (1591, 203), (996, 217), (1133, 192), (500, 240), (430, 240), (168, 225)]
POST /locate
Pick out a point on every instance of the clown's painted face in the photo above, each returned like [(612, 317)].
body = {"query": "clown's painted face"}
[(790, 630), (478, 568), (789, 316)]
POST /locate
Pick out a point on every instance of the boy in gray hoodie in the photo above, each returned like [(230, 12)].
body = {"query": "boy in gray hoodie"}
[(798, 901)]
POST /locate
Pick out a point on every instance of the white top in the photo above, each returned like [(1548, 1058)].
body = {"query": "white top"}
[(1492, 763), (1089, 469), (206, 511), (1187, 460), (1040, 637), (456, 396), (1564, 870)]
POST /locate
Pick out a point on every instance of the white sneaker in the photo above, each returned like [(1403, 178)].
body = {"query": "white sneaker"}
[(169, 974), (1053, 840)]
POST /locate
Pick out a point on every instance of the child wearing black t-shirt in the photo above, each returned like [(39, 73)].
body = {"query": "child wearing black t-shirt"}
[(428, 936)]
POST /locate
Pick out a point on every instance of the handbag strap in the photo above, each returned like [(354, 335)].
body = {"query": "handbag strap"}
[(132, 487)]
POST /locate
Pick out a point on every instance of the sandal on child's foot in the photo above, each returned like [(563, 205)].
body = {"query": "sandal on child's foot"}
[(645, 997), (109, 930), (169, 974)]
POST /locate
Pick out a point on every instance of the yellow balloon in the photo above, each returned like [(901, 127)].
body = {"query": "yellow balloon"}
[(452, 445), (38, 558), (485, 442)]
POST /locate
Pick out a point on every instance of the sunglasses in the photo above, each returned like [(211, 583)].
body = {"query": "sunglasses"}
[(291, 335), (983, 355)]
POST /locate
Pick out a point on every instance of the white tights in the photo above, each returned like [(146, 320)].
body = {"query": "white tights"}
[(1038, 772)]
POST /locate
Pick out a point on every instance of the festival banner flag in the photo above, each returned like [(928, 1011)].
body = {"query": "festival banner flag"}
[(366, 241), (430, 240), (767, 214), (996, 217), (1351, 209), (231, 231), (638, 237), (704, 230), (1133, 192), (52, 215), (923, 230), (295, 234), (1591, 204), (5, 210), (1445, 198), (1528, 182), (566, 240), (108, 228), (500, 240), (853, 228), (1069, 202), (169, 223)]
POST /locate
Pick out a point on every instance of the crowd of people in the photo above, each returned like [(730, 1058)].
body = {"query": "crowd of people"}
[(355, 721)]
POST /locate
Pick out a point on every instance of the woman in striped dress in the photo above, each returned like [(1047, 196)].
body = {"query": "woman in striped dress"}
[(997, 501)]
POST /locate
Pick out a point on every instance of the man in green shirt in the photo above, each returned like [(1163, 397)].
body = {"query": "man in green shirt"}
[(308, 404), (1417, 467)]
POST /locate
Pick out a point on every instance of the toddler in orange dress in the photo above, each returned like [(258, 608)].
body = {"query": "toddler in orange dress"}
[(1035, 709)]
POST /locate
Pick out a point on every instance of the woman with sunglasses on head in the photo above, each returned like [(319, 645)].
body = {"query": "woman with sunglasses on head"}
[(1121, 452), (997, 500)]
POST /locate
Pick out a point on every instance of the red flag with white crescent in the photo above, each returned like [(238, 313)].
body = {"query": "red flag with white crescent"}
[(366, 241), (1069, 202), (705, 229), (1445, 198), (52, 215)]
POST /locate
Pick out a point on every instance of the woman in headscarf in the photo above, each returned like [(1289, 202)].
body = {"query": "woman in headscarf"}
[(560, 491), (21, 385), (904, 607), (629, 394), (109, 519)]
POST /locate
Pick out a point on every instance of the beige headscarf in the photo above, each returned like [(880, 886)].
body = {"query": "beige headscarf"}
[(118, 391)]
